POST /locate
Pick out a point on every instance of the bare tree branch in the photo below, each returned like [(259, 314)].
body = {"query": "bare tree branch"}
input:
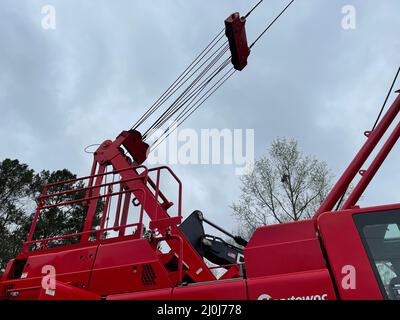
[(284, 186)]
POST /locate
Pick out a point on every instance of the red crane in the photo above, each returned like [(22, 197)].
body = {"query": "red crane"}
[(148, 252)]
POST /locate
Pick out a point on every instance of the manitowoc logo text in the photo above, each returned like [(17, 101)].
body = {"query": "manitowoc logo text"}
[(312, 297)]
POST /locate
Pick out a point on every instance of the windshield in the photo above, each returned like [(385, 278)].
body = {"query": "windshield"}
[(380, 233)]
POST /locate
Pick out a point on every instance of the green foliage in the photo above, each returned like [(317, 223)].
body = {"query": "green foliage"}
[(15, 192), (62, 220), (20, 189)]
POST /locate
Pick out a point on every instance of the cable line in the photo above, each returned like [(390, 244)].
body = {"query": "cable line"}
[(199, 90), (202, 75), (210, 92), (254, 8), (171, 109), (386, 100), (271, 24), (192, 65)]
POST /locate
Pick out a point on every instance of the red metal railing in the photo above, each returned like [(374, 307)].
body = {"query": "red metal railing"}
[(158, 193), (43, 242), (95, 182)]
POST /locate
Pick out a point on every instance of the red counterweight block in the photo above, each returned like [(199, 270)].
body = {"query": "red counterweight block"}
[(236, 33)]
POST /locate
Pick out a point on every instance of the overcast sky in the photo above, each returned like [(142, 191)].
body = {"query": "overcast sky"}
[(107, 61)]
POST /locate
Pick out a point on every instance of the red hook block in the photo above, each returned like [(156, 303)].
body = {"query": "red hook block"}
[(236, 33)]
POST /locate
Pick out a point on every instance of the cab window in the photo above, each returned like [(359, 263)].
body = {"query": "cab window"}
[(380, 233)]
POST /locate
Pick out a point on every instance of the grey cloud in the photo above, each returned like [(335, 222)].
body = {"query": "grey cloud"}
[(107, 61)]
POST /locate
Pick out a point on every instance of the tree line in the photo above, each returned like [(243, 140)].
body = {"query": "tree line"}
[(20, 188)]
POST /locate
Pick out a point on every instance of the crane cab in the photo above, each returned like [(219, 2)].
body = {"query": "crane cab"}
[(347, 255), (362, 248)]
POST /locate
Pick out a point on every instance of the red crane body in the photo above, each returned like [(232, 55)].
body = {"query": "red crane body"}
[(147, 252)]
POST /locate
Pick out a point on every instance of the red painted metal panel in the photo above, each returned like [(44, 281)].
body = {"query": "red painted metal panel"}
[(8, 271), (63, 291), (284, 248), (123, 253), (20, 289), (68, 261), (220, 290), (70, 266), (161, 294), (127, 266), (285, 232), (344, 247), (311, 285)]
